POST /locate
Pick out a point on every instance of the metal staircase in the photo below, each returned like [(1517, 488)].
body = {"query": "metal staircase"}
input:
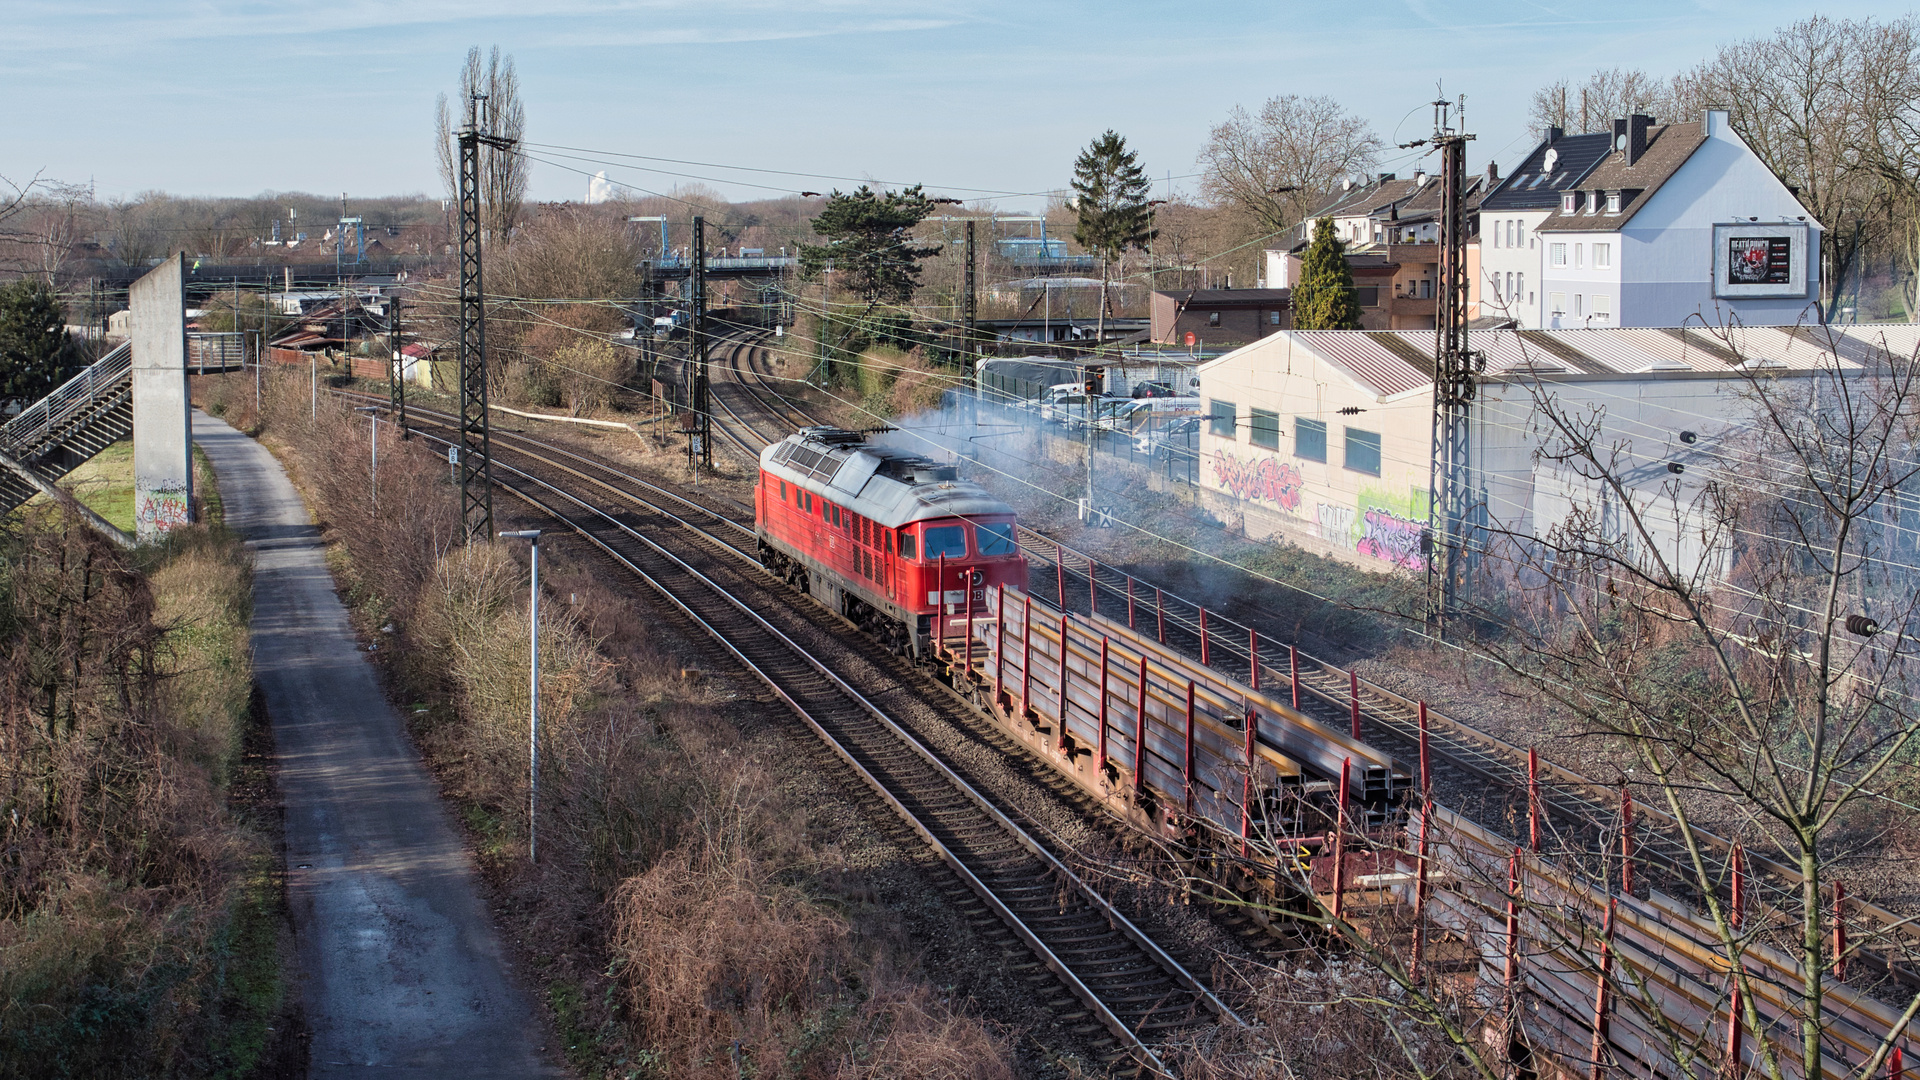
[(61, 431)]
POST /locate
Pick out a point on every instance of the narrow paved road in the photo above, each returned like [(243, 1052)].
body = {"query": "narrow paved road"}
[(403, 974)]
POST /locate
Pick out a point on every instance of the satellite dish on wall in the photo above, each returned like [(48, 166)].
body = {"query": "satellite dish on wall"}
[(1552, 159)]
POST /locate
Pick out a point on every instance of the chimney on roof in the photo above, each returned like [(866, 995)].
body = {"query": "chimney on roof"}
[(1493, 173), (1554, 134), (1420, 177), (1637, 136)]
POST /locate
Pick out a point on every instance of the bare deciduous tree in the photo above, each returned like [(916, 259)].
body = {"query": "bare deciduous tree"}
[(1278, 164), (1603, 97), (503, 173)]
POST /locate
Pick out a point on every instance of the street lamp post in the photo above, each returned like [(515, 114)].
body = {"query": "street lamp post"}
[(373, 451), (533, 720)]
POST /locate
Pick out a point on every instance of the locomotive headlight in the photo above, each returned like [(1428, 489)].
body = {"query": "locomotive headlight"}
[(975, 577)]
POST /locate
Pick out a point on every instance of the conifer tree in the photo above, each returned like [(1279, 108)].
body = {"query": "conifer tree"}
[(1110, 198), (1324, 299), (35, 352)]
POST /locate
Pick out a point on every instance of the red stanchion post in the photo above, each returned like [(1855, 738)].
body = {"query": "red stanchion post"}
[(1601, 1019), (1353, 698), (1340, 843), (1253, 657), (1100, 751), (1206, 654), (1140, 730), (1093, 590), (1896, 1066), (1129, 601)]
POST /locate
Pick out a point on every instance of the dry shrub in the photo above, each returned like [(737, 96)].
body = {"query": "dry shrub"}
[(1338, 1020), (589, 371), (121, 703), (722, 953), (917, 386)]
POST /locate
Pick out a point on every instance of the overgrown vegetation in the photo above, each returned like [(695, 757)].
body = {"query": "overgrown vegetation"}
[(140, 919)]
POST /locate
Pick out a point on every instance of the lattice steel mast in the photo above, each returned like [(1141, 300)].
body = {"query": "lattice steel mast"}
[(476, 444), (1451, 501), (697, 286)]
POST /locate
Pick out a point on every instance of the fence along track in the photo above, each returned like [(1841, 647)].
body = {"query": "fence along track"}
[(1132, 987)]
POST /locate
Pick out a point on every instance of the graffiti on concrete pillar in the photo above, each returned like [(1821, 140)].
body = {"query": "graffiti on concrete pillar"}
[(1336, 523), (160, 509), (1262, 479), (1392, 538)]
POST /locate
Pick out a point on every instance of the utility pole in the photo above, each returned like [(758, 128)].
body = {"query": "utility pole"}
[(397, 387), (697, 280), (476, 444), (1451, 505)]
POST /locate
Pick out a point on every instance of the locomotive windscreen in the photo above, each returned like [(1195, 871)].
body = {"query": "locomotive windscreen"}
[(994, 540)]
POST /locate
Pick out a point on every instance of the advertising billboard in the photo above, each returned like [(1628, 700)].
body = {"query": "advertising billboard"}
[(1757, 261)]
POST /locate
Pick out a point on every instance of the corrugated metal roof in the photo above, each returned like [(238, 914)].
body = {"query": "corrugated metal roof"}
[(1396, 362)]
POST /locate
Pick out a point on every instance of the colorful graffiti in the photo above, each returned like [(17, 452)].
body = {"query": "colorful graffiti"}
[(1336, 523), (1392, 538), (1262, 478), (161, 509)]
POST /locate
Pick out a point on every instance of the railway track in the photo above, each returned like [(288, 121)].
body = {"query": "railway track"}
[(702, 563), (1489, 780)]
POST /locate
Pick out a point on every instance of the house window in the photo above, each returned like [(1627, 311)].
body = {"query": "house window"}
[(1613, 202), (1577, 305), (1511, 295), (1213, 318), (1557, 254), (1579, 255), (1497, 229), (1367, 296), (1222, 419), (1519, 286), (1363, 451), (1309, 439), (1603, 256), (1273, 318), (1568, 202), (1265, 429), (1602, 307), (1556, 303), (1515, 232)]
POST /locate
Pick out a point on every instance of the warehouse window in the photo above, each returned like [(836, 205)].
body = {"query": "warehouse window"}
[(1363, 451), (1309, 439), (1221, 419), (1213, 318), (1265, 427)]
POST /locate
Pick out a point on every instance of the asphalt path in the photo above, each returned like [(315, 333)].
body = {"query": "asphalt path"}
[(402, 971)]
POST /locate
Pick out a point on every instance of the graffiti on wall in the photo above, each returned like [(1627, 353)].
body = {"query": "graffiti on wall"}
[(1336, 523), (1392, 538), (1263, 478), (162, 508)]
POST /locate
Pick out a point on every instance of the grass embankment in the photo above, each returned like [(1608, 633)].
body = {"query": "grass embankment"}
[(682, 921), (141, 920)]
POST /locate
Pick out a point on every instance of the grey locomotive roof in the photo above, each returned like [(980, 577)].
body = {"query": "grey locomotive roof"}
[(892, 487)]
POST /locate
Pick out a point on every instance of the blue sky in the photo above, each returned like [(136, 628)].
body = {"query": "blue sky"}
[(236, 97)]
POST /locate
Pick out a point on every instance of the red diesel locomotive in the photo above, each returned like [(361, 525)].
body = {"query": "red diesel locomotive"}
[(888, 539)]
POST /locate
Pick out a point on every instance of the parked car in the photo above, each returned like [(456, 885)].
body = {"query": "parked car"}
[(1154, 390), (1181, 434)]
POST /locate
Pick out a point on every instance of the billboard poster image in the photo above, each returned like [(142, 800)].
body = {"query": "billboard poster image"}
[(1759, 260), (1752, 260)]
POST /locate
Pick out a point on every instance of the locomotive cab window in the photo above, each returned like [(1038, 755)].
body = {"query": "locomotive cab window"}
[(948, 540), (907, 545), (994, 540)]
